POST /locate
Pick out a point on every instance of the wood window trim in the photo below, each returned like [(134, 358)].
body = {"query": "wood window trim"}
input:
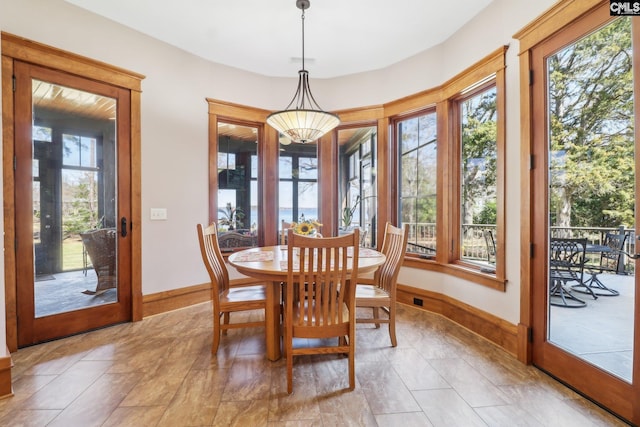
[(456, 147), (385, 115), (227, 112), (18, 48), (443, 98), (459, 271)]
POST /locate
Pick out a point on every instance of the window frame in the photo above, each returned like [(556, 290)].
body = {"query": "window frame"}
[(428, 110), (442, 98), (456, 117), (352, 171), (448, 209)]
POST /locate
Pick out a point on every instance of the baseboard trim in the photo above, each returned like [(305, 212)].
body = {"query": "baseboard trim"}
[(174, 299), (488, 326), (6, 364)]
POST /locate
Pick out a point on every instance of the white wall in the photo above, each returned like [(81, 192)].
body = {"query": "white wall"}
[(175, 124)]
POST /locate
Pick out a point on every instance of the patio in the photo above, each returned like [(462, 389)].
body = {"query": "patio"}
[(602, 331), (62, 292)]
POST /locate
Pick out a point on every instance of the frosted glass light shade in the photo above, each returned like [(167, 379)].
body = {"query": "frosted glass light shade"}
[(303, 125)]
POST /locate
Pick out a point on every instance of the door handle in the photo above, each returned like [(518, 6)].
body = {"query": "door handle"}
[(123, 227)]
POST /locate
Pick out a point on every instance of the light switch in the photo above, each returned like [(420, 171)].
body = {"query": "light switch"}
[(158, 214)]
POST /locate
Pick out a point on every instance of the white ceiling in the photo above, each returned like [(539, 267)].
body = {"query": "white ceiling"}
[(265, 36)]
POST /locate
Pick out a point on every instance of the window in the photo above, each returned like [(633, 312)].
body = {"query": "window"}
[(298, 182), (477, 132), (417, 170), (357, 182), (237, 206), (449, 177)]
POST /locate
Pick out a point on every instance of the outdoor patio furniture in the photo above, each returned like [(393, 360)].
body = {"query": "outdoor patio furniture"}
[(101, 248), (611, 258), (566, 264), (491, 246)]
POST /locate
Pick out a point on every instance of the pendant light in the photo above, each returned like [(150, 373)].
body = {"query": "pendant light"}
[(303, 120)]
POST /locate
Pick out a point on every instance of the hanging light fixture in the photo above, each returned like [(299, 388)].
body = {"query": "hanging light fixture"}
[(303, 120)]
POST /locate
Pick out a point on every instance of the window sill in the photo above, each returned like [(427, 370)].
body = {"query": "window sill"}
[(461, 271)]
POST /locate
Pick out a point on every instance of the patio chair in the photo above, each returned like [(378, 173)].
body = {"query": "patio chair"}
[(379, 293), (491, 246), (566, 264), (100, 245), (611, 258), (227, 299), (320, 298)]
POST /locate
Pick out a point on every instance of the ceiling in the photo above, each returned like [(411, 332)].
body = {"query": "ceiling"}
[(342, 37)]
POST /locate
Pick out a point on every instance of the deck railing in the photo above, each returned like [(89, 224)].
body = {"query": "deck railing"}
[(422, 240)]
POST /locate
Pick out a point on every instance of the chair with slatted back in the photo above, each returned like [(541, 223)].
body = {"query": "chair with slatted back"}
[(226, 299), (319, 315), (379, 292), (284, 226)]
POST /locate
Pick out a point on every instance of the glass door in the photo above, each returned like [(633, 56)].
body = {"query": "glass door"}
[(72, 228), (584, 210)]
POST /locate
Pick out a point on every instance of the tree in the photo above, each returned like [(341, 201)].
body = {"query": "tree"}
[(82, 215), (479, 153), (591, 130)]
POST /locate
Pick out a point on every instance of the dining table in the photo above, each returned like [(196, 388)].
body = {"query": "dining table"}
[(269, 264)]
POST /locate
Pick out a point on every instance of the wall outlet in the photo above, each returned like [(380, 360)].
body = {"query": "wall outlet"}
[(417, 301), (158, 214)]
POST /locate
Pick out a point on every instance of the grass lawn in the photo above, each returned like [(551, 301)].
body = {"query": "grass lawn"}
[(72, 254)]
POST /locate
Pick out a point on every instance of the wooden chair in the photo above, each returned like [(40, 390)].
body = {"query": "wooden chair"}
[(226, 299), (379, 293), (284, 227), (319, 299)]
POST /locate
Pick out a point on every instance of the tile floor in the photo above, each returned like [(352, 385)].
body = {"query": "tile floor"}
[(160, 372)]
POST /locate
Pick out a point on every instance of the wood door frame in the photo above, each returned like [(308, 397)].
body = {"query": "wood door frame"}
[(534, 231), (17, 48)]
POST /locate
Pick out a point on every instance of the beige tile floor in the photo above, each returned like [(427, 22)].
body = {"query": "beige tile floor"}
[(160, 372)]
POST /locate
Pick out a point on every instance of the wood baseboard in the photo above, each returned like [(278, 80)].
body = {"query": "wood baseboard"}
[(6, 364), (488, 326), (174, 299), (183, 297)]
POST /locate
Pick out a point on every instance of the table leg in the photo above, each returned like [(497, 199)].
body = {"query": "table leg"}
[(272, 318)]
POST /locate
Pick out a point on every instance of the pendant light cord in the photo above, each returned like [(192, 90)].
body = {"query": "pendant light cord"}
[(303, 39)]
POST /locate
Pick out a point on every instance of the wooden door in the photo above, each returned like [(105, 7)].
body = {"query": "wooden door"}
[(585, 85), (73, 204)]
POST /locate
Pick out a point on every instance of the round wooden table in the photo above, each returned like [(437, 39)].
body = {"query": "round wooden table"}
[(269, 264)]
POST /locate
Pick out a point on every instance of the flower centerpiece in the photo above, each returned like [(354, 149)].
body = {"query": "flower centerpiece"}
[(306, 227)]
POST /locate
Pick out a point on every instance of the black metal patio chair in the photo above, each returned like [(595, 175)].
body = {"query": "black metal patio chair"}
[(566, 265), (611, 259)]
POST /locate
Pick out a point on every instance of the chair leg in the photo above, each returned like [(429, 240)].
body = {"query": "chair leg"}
[(226, 321), (352, 365), (288, 349), (216, 334), (289, 372), (392, 324), (376, 315)]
